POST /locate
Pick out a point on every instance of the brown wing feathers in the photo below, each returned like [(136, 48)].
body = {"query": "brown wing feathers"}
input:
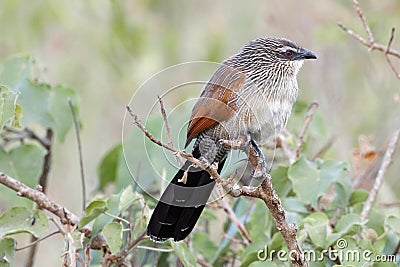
[(217, 101)]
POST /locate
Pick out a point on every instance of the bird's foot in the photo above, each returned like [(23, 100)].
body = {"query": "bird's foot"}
[(204, 161), (260, 170), (241, 143)]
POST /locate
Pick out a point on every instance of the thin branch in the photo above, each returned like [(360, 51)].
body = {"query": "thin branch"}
[(42, 185), (323, 149), (397, 249), (164, 114), (300, 139), (169, 136), (370, 43), (364, 21), (387, 54), (65, 216), (381, 173), (20, 135), (119, 256), (37, 241), (389, 204), (265, 191), (47, 161), (373, 46), (78, 139), (223, 204)]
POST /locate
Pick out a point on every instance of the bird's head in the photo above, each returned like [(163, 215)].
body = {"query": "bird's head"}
[(274, 54)]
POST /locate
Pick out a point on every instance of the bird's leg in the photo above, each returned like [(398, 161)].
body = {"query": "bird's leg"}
[(253, 152), (260, 167), (208, 151)]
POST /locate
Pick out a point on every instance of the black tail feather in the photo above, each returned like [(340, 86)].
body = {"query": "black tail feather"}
[(181, 204)]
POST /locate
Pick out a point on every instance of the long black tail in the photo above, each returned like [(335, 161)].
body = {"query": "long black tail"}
[(181, 204)]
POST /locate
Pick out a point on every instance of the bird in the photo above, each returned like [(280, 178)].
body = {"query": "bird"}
[(251, 95)]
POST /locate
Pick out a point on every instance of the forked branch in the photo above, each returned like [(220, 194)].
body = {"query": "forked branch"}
[(370, 43)]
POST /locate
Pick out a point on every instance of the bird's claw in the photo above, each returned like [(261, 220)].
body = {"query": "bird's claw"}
[(260, 170), (204, 161)]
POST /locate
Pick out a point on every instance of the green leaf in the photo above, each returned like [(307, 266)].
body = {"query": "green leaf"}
[(94, 209), (112, 233), (108, 167), (358, 196), (7, 107), (203, 245), (280, 181), (18, 163), (250, 258), (316, 226), (312, 179), (7, 252), (103, 219), (258, 229), (393, 223), (41, 104), (34, 99), (183, 253), (60, 111), (128, 197), (16, 69), (347, 222), (346, 225), (23, 220)]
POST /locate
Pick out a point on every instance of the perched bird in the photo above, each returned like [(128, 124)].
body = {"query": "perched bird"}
[(251, 94)]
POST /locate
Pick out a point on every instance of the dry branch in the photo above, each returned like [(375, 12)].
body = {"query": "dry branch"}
[(387, 159), (65, 216), (78, 139), (370, 43), (223, 204), (310, 114)]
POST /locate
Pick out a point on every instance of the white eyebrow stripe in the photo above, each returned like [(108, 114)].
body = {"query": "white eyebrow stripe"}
[(285, 48)]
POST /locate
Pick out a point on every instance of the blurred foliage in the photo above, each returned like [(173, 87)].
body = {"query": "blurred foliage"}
[(105, 49)]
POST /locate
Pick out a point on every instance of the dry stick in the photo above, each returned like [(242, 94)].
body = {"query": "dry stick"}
[(387, 54), (397, 249), (164, 115), (117, 257), (371, 43), (373, 46), (265, 192), (66, 217), (389, 204), (222, 204), (381, 173), (310, 114), (364, 21), (78, 139), (37, 241), (46, 143), (323, 149)]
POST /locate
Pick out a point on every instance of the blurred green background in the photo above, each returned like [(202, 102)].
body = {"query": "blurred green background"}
[(106, 49)]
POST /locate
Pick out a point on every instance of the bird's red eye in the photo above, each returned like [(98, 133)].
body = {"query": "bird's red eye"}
[(289, 53)]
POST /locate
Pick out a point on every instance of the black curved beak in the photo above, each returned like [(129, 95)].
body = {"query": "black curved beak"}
[(305, 54)]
